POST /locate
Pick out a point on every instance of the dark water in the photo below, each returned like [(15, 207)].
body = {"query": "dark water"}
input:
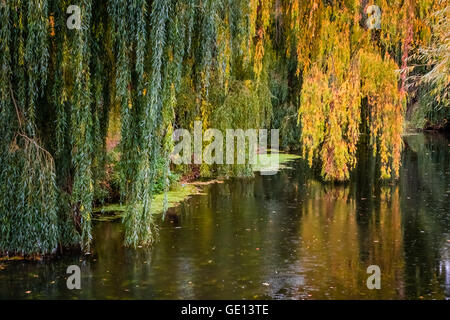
[(277, 237)]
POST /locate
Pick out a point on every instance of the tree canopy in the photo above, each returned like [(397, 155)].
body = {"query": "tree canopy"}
[(315, 69)]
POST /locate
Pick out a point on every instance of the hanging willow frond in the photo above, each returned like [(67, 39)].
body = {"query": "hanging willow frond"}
[(81, 127), (138, 219)]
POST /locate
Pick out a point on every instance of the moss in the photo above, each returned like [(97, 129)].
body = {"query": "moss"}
[(178, 194)]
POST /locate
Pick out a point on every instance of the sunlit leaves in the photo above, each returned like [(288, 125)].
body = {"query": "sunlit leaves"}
[(380, 86), (330, 103)]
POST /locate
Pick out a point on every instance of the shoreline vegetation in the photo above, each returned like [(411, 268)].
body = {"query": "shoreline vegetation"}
[(181, 191)]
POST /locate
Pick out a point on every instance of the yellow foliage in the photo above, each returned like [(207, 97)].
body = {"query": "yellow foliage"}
[(330, 100), (330, 104), (380, 85)]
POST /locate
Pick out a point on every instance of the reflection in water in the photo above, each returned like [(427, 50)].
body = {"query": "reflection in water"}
[(284, 237), (425, 206), (336, 249)]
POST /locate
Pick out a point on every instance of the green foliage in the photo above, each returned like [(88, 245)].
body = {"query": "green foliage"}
[(245, 106), (29, 210), (81, 132), (29, 202)]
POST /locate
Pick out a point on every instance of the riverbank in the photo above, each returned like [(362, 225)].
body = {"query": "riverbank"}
[(187, 188), (179, 192)]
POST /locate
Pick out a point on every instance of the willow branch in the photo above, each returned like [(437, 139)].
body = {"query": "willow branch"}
[(21, 133)]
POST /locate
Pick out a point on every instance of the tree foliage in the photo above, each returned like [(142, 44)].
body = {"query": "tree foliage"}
[(151, 66), (430, 69)]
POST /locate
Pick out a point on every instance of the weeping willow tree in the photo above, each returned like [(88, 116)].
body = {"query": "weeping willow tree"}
[(429, 69), (330, 101), (151, 66), (346, 67), (29, 205)]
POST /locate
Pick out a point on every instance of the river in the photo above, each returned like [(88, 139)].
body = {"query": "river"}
[(286, 236)]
